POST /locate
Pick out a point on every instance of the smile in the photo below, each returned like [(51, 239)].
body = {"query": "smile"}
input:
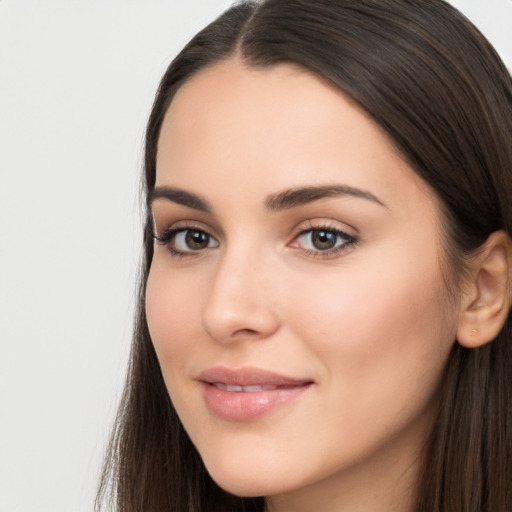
[(246, 394)]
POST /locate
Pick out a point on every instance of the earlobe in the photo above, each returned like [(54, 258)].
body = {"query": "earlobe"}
[(488, 297)]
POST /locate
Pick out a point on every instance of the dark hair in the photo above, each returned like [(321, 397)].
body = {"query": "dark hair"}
[(438, 88)]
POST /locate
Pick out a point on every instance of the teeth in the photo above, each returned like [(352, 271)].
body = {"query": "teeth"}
[(249, 389), (246, 389), (236, 389)]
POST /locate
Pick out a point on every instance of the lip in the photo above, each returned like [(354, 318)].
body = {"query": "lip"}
[(248, 393)]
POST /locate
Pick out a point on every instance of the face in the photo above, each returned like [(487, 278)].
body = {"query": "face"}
[(295, 298)]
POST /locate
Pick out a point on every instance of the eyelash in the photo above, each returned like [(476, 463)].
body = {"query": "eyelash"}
[(169, 236)]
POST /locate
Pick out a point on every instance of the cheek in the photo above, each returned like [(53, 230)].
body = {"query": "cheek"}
[(171, 315), (362, 308), (383, 331)]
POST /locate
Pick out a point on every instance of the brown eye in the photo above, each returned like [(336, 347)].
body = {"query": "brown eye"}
[(323, 240), (190, 240), (186, 241), (196, 240)]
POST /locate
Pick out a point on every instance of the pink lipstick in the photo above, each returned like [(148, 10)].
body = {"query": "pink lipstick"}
[(246, 394)]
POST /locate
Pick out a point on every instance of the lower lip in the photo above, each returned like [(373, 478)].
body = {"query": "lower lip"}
[(248, 406)]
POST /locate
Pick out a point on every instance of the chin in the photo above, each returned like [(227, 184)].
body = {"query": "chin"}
[(246, 484), (247, 487)]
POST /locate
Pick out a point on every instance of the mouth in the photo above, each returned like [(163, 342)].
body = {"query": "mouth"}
[(233, 388), (246, 394), (248, 377)]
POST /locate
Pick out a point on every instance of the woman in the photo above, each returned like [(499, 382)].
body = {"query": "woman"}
[(323, 320)]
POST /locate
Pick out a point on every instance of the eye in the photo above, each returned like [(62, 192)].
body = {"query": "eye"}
[(185, 241), (323, 241), (192, 240)]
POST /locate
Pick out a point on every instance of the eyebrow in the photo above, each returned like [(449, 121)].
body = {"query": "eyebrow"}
[(300, 196), (179, 196), (284, 200)]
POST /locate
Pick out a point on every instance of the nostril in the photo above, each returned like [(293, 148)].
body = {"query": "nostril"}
[(246, 332)]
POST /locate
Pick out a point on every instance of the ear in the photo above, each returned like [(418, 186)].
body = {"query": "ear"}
[(486, 303)]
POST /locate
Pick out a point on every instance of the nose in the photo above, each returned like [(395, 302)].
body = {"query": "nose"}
[(240, 305)]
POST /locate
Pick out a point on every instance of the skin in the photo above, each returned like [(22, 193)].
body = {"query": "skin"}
[(371, 325)]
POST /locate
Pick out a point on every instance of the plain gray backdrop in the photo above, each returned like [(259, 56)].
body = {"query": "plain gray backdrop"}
[(77, 80)]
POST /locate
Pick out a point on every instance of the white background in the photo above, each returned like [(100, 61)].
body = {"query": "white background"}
[(77, 80)]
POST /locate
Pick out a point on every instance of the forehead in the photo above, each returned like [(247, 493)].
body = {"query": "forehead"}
[(258, 130)]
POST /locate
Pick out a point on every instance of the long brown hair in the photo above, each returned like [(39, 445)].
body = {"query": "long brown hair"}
[(438, 88)]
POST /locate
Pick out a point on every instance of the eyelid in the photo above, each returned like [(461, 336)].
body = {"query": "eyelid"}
[(166, 214), (180, 225), (327, 224)]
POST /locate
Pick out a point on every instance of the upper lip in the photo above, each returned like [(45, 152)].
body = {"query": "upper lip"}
[(249, 376)]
